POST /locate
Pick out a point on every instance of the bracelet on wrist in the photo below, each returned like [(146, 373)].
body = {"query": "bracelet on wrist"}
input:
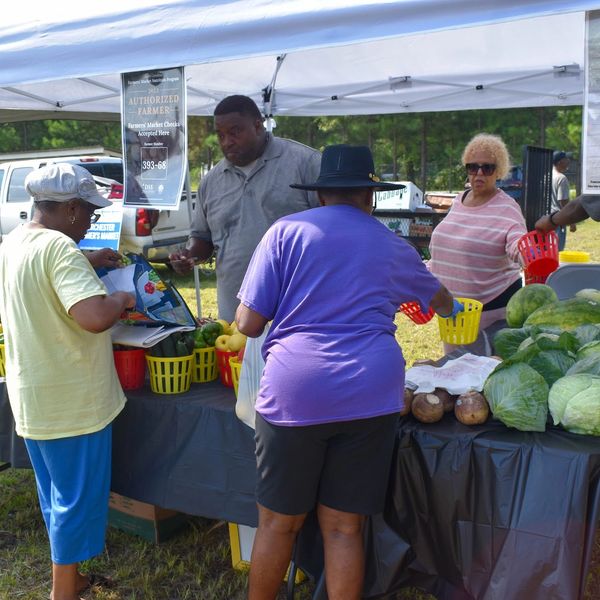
[(552, 218)]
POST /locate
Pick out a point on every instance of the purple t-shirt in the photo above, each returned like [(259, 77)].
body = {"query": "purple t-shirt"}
[(331, 279)]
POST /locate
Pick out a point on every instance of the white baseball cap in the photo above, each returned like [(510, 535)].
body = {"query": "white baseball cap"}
[(60, 182)]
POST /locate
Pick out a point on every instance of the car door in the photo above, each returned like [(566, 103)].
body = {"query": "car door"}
[(17, 206)]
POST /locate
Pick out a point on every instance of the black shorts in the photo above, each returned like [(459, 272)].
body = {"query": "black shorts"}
[(343, 465)]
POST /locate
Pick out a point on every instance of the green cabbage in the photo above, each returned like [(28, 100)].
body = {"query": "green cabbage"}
[(507, 340), (590, 365), (544, 354), (589, 349), (527, 343), (518, 396), (565, 341), (551, 364), (574, 402), (586, 333)]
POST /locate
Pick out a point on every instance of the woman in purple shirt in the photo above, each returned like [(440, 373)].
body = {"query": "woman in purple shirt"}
[(331, 280)]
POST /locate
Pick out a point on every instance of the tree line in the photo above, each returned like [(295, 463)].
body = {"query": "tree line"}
[(425, 148)]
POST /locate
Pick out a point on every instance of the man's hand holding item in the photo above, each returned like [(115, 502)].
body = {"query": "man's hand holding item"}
[(182, 262)]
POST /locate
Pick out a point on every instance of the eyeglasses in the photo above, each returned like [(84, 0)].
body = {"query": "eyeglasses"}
[(94, 216), (486, 168)]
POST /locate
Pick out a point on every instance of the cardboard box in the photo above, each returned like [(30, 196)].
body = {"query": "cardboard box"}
[(151, 522), (407, 198), (241, 538)]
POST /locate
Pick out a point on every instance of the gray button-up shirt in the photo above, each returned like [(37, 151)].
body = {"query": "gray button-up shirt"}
[(234, 211)]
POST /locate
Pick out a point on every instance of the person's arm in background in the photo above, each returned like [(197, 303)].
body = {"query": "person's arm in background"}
[(197, 249), (573, 212), (99, 313)]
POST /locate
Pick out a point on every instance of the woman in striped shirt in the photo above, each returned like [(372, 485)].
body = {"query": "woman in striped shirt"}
[(474, 249)]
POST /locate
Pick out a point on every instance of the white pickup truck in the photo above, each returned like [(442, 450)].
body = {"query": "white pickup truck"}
[(152, 233)]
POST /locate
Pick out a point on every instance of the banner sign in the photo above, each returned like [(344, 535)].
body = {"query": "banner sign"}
[(154, 117), (591, 109), (106, 231)]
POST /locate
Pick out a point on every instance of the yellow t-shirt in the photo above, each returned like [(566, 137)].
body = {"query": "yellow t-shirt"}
[(61, 379)]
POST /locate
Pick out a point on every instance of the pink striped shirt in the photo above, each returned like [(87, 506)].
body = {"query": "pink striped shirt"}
[(474, 249)]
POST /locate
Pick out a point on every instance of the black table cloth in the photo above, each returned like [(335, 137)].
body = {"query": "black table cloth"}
[(479, 512), (492, 512)]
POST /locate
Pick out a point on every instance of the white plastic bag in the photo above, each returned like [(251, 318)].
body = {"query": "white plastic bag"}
[(459, 375), (252, 368)]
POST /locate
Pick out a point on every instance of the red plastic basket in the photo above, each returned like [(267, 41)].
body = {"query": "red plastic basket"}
[(414, 312), (540, 252), (224, 367), (529, 278), (131, 367)]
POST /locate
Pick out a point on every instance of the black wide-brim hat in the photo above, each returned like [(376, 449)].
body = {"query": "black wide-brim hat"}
[(344, 166)]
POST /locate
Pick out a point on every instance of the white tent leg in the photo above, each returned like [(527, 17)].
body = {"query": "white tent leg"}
[(188, 192)]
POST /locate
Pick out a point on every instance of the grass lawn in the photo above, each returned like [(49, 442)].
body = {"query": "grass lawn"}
[(196, 564)]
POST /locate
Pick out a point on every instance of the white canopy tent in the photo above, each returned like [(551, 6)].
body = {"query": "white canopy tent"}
[(295, 57)]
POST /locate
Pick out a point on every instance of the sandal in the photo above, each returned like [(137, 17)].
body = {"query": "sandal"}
[(94, 579)]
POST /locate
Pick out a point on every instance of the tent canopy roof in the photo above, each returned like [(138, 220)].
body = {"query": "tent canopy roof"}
[(316, 58)]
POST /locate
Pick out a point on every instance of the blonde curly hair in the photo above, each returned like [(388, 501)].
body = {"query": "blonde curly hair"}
[(493, 145)]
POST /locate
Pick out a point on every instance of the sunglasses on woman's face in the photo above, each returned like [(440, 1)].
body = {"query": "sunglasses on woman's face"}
[(94, 216), (486, 168)]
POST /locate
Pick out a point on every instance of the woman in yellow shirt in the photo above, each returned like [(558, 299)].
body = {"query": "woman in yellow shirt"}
[(60, 374)]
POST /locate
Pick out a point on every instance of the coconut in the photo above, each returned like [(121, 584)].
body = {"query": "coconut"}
[(427, 408), (471, 408), (446, 398), (408, 398)]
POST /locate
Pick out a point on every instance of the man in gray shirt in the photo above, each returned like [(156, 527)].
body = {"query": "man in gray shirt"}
[(560, 191), (243, 195)]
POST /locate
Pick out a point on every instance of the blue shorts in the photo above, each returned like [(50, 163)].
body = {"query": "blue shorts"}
[(73, 483)]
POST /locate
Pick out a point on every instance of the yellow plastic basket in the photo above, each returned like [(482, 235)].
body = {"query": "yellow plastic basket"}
[(573, 256), (170, 375), (205, 365), (2, 370), (462, 329), (236, 369)]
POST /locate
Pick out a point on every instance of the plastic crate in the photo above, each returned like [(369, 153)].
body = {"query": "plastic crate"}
[(236, 368), (170, 375), (573, 256), (396, 224), (205, 365), (539, 251), (464, 328), (224, 367), (413, 311), (131, 367), (529, 278)]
